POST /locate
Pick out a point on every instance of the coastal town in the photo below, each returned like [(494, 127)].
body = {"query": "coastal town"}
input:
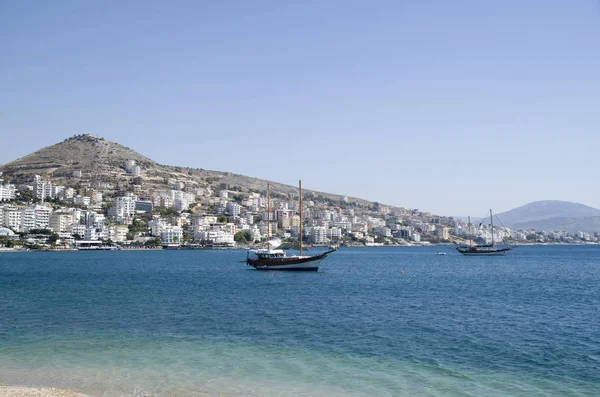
[(86, 214)]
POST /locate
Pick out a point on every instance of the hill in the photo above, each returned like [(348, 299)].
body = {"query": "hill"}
[(552, 215), (588, 225), (102, 162), (81, 152)]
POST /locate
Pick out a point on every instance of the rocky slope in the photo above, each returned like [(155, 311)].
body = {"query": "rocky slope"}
[(100, 160)]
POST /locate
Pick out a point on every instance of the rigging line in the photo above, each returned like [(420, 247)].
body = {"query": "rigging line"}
[(483, 218), (500, 221)]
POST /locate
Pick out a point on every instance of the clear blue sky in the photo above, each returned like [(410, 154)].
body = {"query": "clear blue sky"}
[(447, 106)]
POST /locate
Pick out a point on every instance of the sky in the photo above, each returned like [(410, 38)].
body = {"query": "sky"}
[(452, 107)]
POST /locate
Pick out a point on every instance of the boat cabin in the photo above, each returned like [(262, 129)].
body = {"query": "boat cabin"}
[(269, 253)]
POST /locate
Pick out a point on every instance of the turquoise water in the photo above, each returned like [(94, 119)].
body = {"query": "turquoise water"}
[(371, 322)]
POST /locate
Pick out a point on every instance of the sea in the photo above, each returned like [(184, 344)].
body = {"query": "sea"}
[(380, 321)]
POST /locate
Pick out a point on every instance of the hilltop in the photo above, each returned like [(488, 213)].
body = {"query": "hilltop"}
[(81, 152), (553, 215)]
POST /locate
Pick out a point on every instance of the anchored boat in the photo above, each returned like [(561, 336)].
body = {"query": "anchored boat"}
[(272, 258), (483, 249)]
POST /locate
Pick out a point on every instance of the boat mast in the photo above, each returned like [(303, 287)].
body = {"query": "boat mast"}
[(492, 223), (470, 236), (268, 216), (300, 188)]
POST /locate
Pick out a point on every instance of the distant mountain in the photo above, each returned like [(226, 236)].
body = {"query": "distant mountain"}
[(589, 225), (553, 215)]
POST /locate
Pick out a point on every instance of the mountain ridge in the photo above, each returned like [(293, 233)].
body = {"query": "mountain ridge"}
[(101, 160), (552, 215)]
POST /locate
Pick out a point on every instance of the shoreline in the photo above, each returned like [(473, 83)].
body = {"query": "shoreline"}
[(18, 391), (248, 248)]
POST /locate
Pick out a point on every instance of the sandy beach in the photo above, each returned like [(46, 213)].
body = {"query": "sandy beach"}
[(36, 392)]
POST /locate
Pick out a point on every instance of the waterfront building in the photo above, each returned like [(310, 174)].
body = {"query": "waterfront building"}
[(171, 235), (319, 235), (35, 217), (12, 217), (443, 233), (59, 222)]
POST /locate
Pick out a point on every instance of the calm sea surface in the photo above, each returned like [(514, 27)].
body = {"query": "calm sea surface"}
[(371, 322)]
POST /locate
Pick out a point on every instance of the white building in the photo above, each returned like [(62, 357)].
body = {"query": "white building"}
[(442, 232), (182, 200), (256, 235), (234, 209), (35, 217), (68, 193), (171, 235), (129, 164), (77, 229), (216, 237), (90, 234), (319, 235), (42, 189), (11, 217), (60, 221), (8, 192), (125, 206), (335, 233), (157, 226), (82, 200), (117, 233)]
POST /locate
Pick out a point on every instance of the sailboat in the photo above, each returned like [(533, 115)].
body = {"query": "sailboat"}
[(272, 258), (483, 249)]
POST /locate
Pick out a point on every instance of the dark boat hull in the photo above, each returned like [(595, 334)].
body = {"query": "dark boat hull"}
[(473, 251), (306, 263)]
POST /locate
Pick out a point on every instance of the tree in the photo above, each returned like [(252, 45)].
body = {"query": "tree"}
[(244, 236), (222, 219), (5, 241), (238, 198), (156, 242), (165, 212), (26, 195), (138, 226), (106, 207), (53, 238), (46, 232)]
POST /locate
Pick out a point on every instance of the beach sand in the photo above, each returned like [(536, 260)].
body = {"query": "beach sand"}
[(36, 392)]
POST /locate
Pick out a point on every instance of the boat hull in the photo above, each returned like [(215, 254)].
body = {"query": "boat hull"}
[(306, 263), (310, 266), (495, 252)]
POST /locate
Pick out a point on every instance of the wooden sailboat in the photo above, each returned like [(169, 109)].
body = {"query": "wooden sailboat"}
[(272, 258), (483, 249)]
